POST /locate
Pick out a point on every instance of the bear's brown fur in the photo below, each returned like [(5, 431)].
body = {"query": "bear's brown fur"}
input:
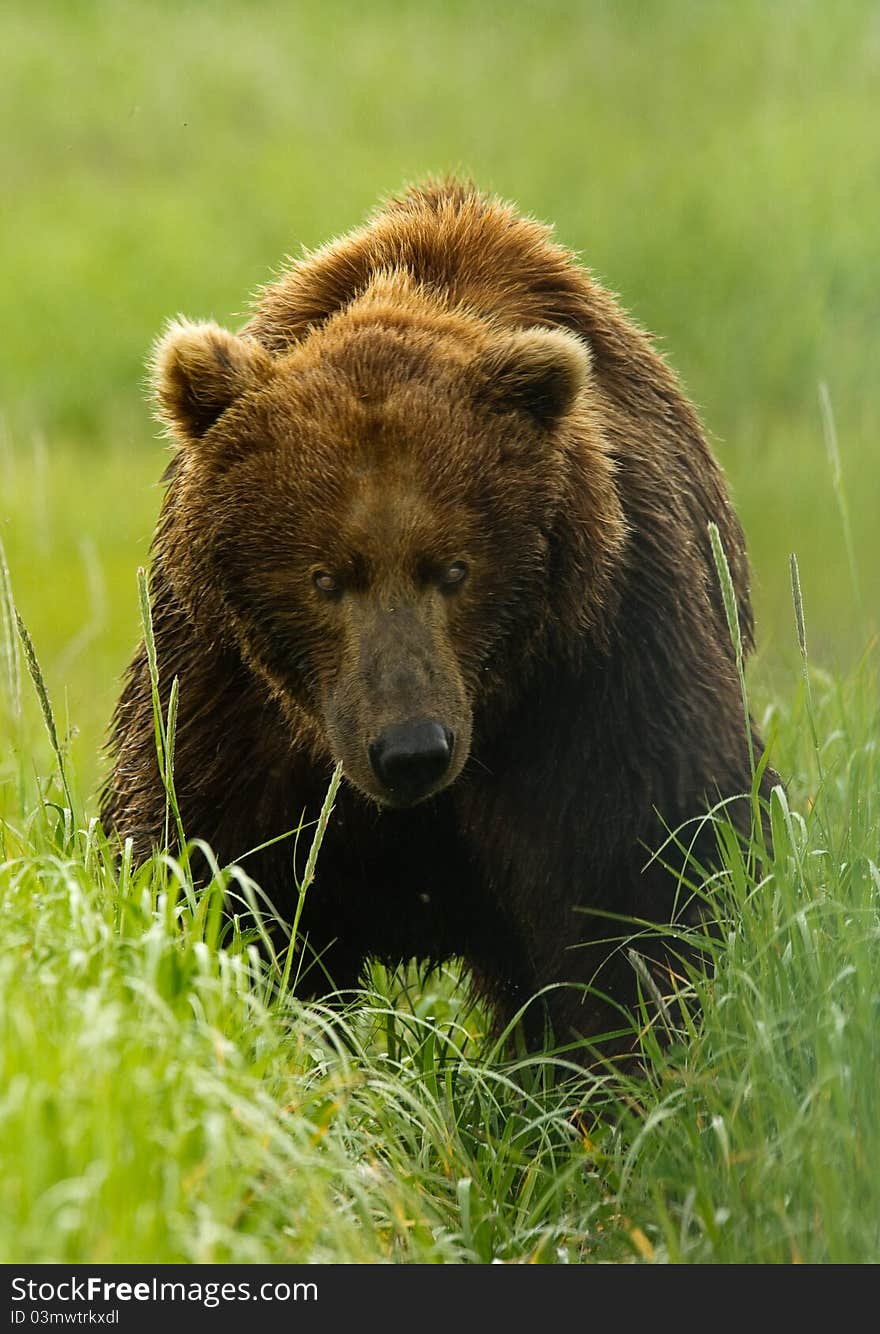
[(440, 513)]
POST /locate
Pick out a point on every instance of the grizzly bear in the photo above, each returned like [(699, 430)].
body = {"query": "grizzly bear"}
[(439, 513)]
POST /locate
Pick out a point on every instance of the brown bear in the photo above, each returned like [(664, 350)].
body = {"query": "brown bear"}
[(440, 513)]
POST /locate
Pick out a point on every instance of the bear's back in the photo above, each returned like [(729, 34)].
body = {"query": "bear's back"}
[(465, 248)]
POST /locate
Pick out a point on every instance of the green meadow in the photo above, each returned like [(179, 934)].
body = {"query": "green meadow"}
[(163, 1096)]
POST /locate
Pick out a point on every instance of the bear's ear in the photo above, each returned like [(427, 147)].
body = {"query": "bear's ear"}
[(537, 371), (199, 370)]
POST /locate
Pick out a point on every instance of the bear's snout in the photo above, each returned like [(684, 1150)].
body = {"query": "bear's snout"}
[(410, 758)]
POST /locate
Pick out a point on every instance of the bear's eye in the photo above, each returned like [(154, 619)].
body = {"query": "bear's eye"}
[(454, 574), (326, 582)]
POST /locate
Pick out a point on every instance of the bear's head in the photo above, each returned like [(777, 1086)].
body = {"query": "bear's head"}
[(390, 521)]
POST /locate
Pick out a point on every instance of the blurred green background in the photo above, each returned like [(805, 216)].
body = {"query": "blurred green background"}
[(716, 164)]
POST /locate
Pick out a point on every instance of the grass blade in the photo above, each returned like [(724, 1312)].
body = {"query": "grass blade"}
[(798, 601), (36, 675), (10, 642), (309, 873), (728, 594), (830, 433), (164, 733)]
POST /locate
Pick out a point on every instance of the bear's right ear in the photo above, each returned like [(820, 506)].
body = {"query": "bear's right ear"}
[(199, 370)]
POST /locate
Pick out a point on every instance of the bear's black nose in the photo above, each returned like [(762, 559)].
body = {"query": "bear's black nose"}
[(408, 758)]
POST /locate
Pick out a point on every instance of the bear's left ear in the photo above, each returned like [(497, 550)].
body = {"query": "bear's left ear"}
[(199, 370), (537, 371)]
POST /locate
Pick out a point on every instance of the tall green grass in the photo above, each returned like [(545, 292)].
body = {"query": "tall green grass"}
[(759, 1149), (163, 1095), (166, 1098)]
